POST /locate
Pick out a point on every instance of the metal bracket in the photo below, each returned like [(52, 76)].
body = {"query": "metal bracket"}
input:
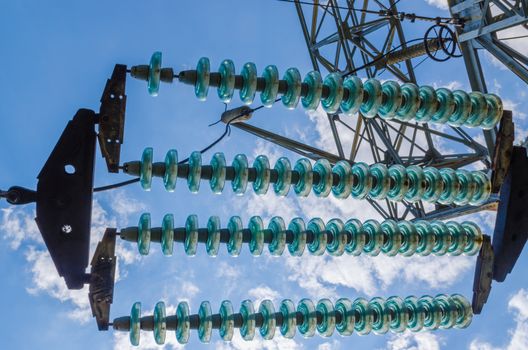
[(503, 151), (483, 276)]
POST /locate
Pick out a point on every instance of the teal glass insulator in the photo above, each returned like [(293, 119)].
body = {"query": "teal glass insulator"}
[(464, 311), (195, 171), (475, 238), (205, 328), (417, 183), (297, 246), (267, 310), (247, 311), (289, 318), (352, 103), (462, 108), (284, 175), (262, 180), (382, 317), (410, 238), (191, 235), (450, 186), (240, 165), (307, 309), (342, 169), (278, 242), (323, 168), (428, 104), (446, 106), (334, 83), (249, 87), (443, 238), (336, 228), (304, 168), (482, 188), (370, 107), (374, 237), (399, 317), (171, 170), (218, 165), (364, 316), (380, 181), (426, 237), (315, 88), (399, 182), (363, 185), (269, 94), (256, 244), (227, 323), (203, 74), (466, 187), (459, 238), (348, 319), (318, 245), (448, 311), (433, 314), (434, 185), (160, 323), (392, 99), (327, 325), (234, 245), (416, 314), (495, 110), (227, 81), (392, 237), (135, 323), (291, 98), (153, 82), (143, 239), (145, 175), (410, 102), (183, 328), (167, 234), (358, 237), (479, 109), (213, 236)]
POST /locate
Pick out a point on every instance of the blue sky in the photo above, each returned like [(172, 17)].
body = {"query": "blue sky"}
[(56, 57)]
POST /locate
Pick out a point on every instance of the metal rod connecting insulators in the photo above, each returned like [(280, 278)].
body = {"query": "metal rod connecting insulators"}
[(335, 237), (359, 180), (336, 94), (345, 316)]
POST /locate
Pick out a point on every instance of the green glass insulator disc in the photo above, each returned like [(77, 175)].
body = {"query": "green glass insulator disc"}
[(364, 316), (462, 108), (171, 170), (153, 82), (218, 165), (227, 323), (348, 319), (327, 325), (267, 310), (213, 236), (336, 228), (464, 311), (167, 234), (160, 323), (284, 175), (410, 238), (399, 315), (428, 104), (315, 88), (227, 81), (459, 238), (426, 237), (466, 187), (318, 246), (450, 186), (417, 184), (205, 327), (269, 94), (363, 185), (203, 74), (392, 237), (482, 188), (354, 228), (381, 316), (434, 185), (323, 168), (143, 239), (262, 180), (479, 109), (135, 323), (234, 245), (240, 166), (399, 183), (446, 106), (370, 107), (374, 237), (416, 314), (191, 235), (380, 181), (410, 102), (433, 314), (475, 238), (344, 171), (145, 175), (291, 98), (195, 172), (297, 246), (256, 244), (495, 110), (352, 103), (392, 99), (183, 328), (289, 320), (247, 311), (448, 311), (249, 87), (307, 309), (443, 238), (334, 83), (278, 242), (304, 168)]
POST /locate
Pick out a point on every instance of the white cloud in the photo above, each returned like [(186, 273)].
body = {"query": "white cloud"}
[(17, 226), (334, 345), (441, 4), (414, 341), (263, 292), (277, 343)]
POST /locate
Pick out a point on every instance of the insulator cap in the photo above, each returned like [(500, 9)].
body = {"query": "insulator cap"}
[(140, 72), (237, 115), (121, 324), (132, 168)]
